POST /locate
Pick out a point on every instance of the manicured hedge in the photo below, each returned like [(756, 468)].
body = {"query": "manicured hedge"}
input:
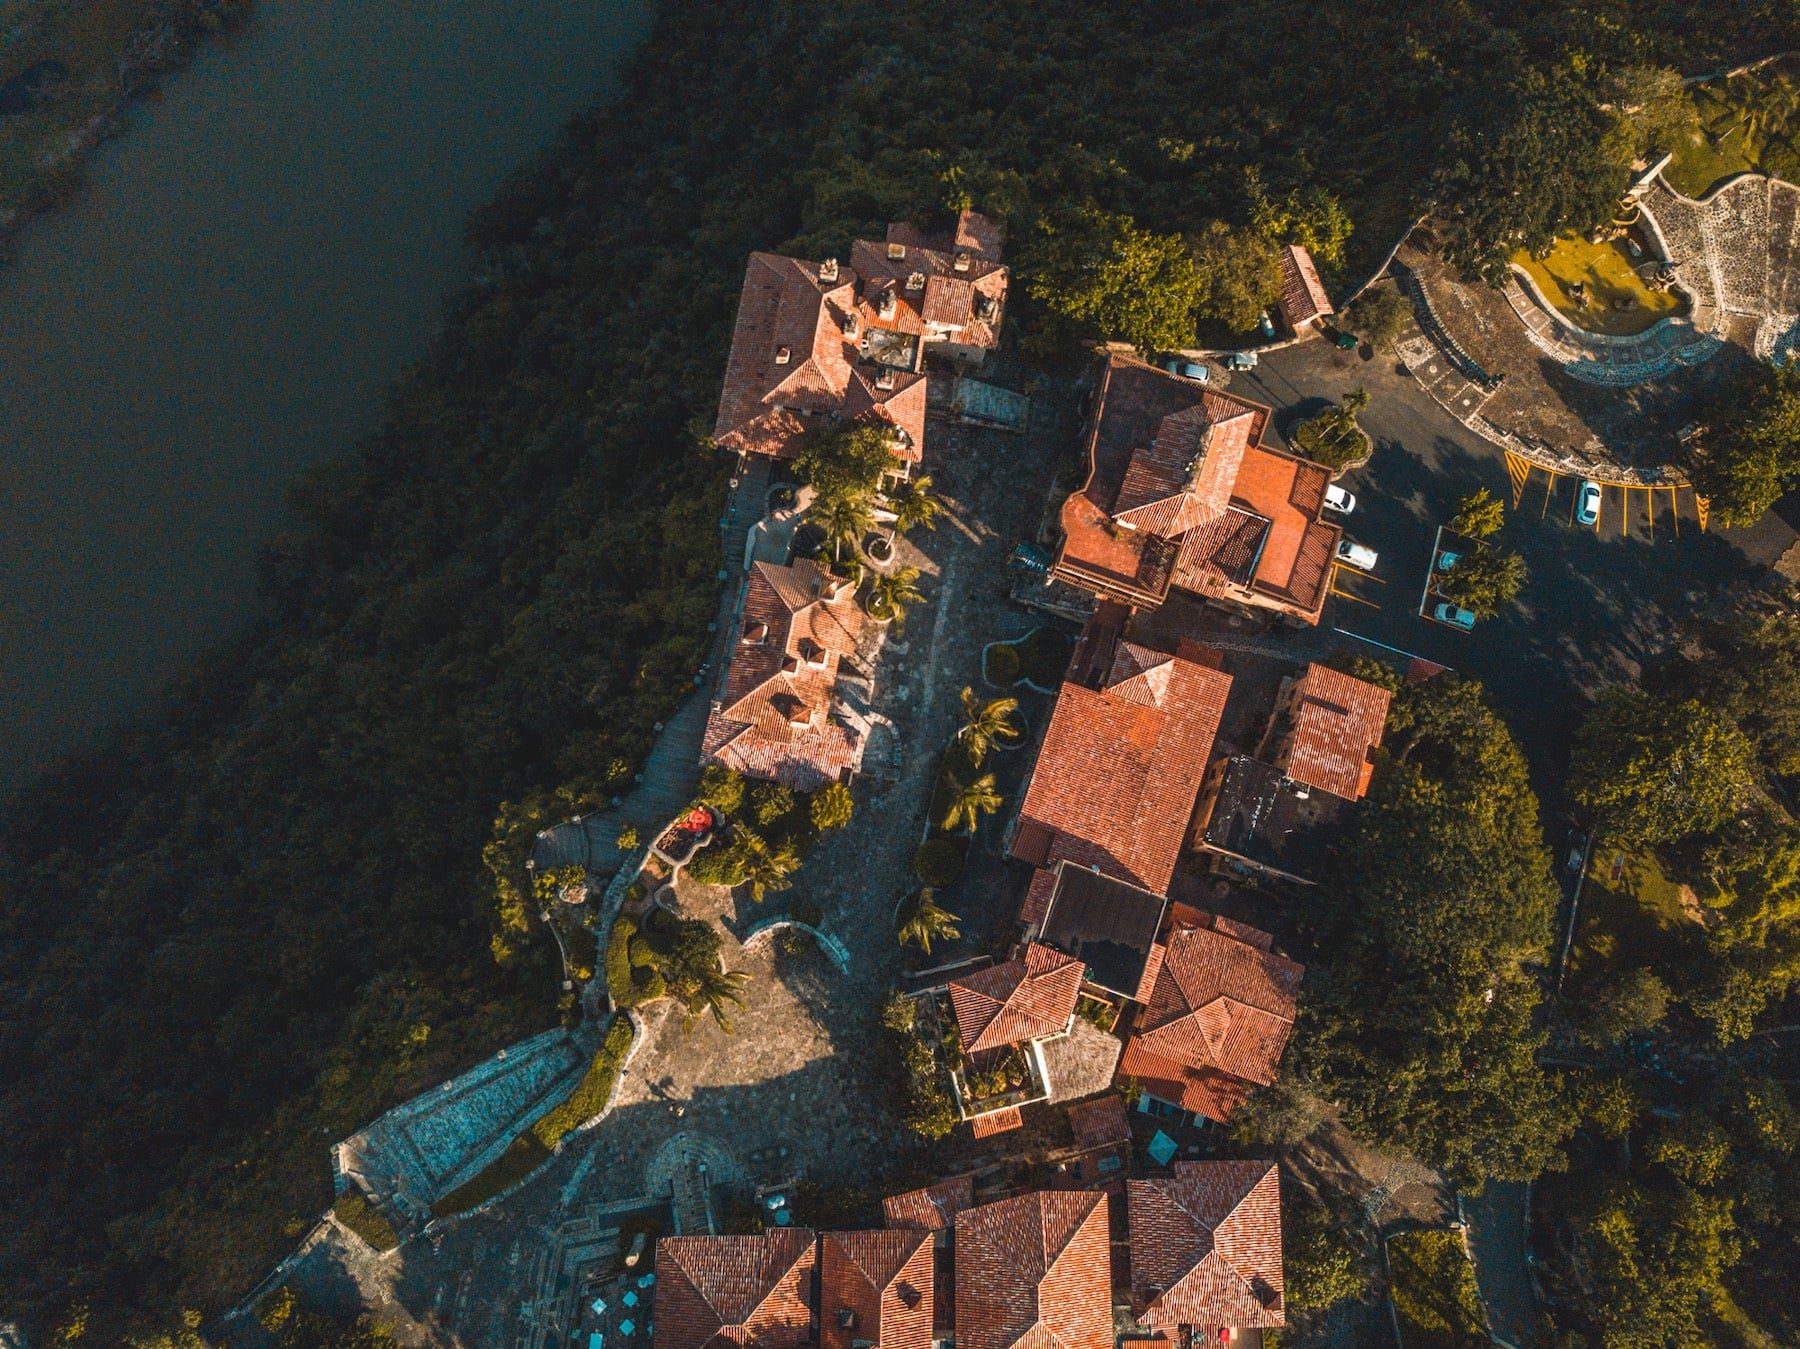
[(354, 1211)]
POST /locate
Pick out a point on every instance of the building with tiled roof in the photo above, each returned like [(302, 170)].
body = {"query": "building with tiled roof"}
[(1100, 1123), (1218, 1018), (798, 362), (1030, 998), (932, 1208), (1181, 493), (1109, 925), (947, 292), (876, 1288), (1035, 1271), (1304, 303), (1121, 765), (776, 715), (719, 1291), (1206, 1249), (1325, 730)]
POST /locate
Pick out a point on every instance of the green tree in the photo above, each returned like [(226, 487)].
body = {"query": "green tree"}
[(845, 460), (717, 990), (1238, 271), (842, 519), (772, 802), (969, 801), (921, 920), (1484, 581), (1747, 456), (987, 724), (1310, 217), (1658, 769), (1107, 278), (915, 505), (831, 807), (892, 593), (1529, 154), (1658, 104), (765, 867), (1325, 1256), (1625, 1004), (1335, 438), (1423, 1023), (628, 839), (1382, 315), (1479, 514)]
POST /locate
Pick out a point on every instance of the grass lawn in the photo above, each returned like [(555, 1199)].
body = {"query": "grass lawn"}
[(1636, 919), (529, 1150), (1724, 145), (1606, 271), (354, 1212), (1434, 1292)]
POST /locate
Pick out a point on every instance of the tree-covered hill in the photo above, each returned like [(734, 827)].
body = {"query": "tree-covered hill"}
[(260, 916)]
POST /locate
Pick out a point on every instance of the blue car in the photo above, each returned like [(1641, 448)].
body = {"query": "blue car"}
[(1455, 617)]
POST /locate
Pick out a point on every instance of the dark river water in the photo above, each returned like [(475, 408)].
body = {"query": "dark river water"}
[(252, 263)]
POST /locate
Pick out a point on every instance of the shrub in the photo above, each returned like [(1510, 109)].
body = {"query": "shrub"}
[(773, 802), (1001, 665), (831, 807), (721, 788), (939, 861), (628, 840), (1381, 315), (717, 865), (354, 1211), (632, 977), (1333, 438)]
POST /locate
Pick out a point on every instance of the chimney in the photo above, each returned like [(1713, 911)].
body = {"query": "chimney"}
[(962, 262), (847, 325), (885, 380), (828, 271), (755, 633), (783, 355), (846, 1318), (916, 281), (896, 251)]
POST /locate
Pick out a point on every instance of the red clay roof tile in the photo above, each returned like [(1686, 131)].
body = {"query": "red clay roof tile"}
[(933, 1207), (717, 1291), (1334, 726), (1206, 1247), (1035, 1271), (1024, 999), (876, 1287)]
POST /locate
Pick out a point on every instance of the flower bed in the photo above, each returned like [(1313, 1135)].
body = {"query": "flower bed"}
[(687, 835)]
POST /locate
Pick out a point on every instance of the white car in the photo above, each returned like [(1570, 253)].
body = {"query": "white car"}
[(1356, 555), (1337, 499), (1587, 504)]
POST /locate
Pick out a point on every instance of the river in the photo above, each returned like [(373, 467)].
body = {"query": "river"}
[(252, 263)]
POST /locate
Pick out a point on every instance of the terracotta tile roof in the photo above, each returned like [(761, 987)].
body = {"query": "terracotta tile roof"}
[(1121, 765), (1024, 999), (1100, 1122), (1035, 1271), (896, 397), (932, 1208), (995, 1122), (790, 354), (736, 1290), (772, 717), (1303, 296), (972, 233), (876, 1288), (1042, 887), (1206, 1247), (933, 287), (1181, 491), (1295, 562), (1334, 726), (1217, 1021)]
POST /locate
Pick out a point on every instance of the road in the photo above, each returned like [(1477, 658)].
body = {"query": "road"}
[(1599, 600)]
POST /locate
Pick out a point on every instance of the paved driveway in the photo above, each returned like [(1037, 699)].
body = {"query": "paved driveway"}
[(1598, 601)]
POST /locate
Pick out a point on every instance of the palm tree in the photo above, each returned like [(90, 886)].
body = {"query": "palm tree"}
[(914, 504), (969, 801), (842, 519), (765, 868), (986, 725), (892, 593), (718, 990), (922, 920)]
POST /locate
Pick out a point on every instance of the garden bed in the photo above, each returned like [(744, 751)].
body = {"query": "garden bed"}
[(1039, 659)]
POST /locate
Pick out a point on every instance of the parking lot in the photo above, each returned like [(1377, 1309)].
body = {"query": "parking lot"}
[(1600, 597)]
